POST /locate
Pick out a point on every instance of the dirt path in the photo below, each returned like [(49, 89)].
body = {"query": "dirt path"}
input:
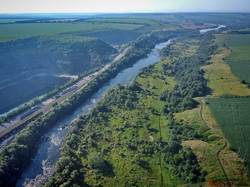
[(224, 140)]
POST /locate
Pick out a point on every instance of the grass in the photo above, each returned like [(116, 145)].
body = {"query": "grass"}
[(216, 17), (207, 151), (25, 30), (12, 20), (232, 114), (136, 128), (229, 113), (239, 59), (125, 20), (221, 79), (28, 89), (68, 38)]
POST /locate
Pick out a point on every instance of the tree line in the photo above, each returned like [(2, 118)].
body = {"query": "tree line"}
[(16, 157), (89, 129)]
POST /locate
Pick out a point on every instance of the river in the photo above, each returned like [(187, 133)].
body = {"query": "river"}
[(42, 165), (202, 31)]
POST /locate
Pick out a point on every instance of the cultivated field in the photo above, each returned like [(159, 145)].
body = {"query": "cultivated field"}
[(239, 59), (25, 30), (125, 20), (232, 114)]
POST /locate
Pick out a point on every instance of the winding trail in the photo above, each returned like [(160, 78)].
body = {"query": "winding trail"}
[(224, 140)]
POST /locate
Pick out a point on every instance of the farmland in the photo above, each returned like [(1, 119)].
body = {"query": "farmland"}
[(182, 122), (230, 102), (136, 141), (11, 20), (220, 76), (25, 30), (125, 20), (239, 59), (232, 114)]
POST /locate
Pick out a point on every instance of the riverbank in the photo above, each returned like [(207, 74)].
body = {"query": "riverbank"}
[(142, 133), (31, 135)]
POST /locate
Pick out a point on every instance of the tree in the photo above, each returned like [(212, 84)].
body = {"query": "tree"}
[(96, 161)]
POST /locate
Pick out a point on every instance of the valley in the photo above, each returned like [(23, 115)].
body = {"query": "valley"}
[(149, 100)]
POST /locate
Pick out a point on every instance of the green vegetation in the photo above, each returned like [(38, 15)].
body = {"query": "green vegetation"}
[(126, 20), (23, 60), (221, 79), (239, 59), (132, 131), (27, 90), (186, 70), (5, 21), (232, 114), (24, 145), (37, 100), (27, 30), (128, 147), (231, 110), (139, 135)]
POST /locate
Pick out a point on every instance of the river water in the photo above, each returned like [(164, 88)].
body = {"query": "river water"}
[(42, 166), (202, 31)]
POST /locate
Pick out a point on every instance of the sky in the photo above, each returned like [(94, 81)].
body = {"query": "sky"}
[(116, 6)]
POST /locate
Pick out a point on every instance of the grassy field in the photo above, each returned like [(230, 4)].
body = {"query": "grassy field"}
[(126, 127), (25, 30), (232, 114), (228, 67), (125, 20), (209, 152), (215, 17), (126, 170), (239, 59), (12, 20), (220, 76)]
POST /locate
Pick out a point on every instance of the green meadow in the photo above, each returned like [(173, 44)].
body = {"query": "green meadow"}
[(26, 30), (239, 59), (125, 20)]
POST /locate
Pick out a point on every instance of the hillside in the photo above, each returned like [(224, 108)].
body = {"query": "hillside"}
[(182, 121), (155, 132), (33, 65)]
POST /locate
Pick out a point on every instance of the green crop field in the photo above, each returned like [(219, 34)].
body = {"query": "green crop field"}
[(239, 59), (25, 30), (215, 17), (12, 20), (120, 20), (232, 115)]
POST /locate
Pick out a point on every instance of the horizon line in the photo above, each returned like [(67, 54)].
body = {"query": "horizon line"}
[(126, 12)]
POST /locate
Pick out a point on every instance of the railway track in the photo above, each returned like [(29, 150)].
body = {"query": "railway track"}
[(56, 100)]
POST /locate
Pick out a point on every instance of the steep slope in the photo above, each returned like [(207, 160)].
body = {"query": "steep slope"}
[(34, 64)]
